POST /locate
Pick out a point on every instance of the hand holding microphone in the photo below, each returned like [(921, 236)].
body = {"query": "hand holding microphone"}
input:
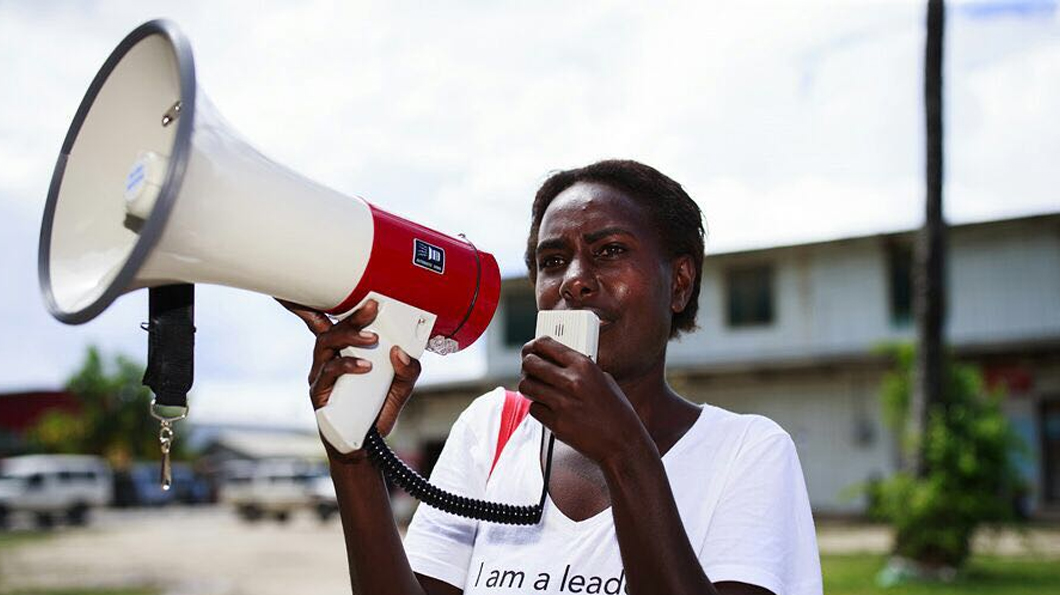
[(572, 396)]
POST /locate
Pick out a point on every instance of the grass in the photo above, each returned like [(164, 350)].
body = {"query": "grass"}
[(987, 575), (10, 539)]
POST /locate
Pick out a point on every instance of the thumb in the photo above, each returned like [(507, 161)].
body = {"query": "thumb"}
[(406, 372)]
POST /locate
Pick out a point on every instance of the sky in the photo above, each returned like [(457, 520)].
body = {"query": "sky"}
[(788, 121)]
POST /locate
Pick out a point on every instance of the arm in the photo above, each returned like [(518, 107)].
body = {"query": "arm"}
[(586, 409), (651, 537), (377, 560), (376, 557)]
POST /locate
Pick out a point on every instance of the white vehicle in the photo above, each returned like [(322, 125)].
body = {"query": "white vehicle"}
[(54, 487), (271, 488), (324, 500)]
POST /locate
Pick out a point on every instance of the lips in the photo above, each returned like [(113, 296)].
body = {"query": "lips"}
[(605, 319)]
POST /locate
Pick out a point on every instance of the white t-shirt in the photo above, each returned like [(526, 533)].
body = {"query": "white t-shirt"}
[(736, 479)]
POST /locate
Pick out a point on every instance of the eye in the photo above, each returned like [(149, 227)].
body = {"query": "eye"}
[(549, 261), (612, 251)]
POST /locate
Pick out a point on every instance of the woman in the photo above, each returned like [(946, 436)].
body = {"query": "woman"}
[(649, 493)]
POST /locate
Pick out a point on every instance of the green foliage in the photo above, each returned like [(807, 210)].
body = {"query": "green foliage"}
[(897, 387), (969, 451), (114, 420)]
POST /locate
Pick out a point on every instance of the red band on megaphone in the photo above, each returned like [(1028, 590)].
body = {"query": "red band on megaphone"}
[(431, 271)]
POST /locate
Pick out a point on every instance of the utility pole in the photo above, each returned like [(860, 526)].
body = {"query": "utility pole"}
[(930, 264)]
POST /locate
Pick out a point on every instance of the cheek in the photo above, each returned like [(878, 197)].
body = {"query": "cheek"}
[(546, 294), (654, 314), (648, 297)]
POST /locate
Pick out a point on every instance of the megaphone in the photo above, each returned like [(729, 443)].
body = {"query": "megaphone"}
[(153, 188)]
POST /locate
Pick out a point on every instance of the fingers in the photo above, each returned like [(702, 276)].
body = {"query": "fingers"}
[(406, 369), (345, 333), (543, 414), (320, 387), (362, 316), (330, 343), (555, 376), (329, 364), (544, 371), (541, 392), (406, 372), (552, 350), (317, 321)]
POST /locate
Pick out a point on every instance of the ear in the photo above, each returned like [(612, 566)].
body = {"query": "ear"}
[(683, 276)]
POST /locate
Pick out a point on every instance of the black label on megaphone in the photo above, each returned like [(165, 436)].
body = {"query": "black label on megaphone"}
[(428, 256)]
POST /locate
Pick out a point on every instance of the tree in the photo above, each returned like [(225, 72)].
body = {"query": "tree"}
[(959, 449), (113, 422), (970, 452)]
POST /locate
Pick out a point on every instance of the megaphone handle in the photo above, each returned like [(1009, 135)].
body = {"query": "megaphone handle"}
[(356, 399), (355, 402)]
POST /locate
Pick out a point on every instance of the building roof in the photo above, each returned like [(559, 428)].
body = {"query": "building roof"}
[(1043, 217), (252, 444)]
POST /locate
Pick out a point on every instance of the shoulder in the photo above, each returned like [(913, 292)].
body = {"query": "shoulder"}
[(759, 523), (484, 407), (751, 428), (482, 417), (747, 432)]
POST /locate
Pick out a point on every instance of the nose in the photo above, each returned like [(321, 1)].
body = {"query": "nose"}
[(579, 281)]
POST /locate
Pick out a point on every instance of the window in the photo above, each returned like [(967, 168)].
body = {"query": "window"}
[(750, 295), (900, 282), (520, 318)]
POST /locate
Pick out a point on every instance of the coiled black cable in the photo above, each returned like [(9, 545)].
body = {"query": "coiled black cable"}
[(419, 488)]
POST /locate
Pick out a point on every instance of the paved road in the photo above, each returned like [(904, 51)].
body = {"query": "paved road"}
[(220, 555), (210, 552)]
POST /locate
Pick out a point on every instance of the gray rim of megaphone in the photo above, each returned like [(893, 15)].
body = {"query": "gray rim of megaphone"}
[(178, 161)]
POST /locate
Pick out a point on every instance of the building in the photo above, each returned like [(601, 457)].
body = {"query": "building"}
[(21, 411), (792, 332)]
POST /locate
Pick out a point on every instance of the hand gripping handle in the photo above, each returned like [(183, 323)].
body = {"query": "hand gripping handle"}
[(356, 399)]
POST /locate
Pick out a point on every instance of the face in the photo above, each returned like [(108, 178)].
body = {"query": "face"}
[(597, 252)]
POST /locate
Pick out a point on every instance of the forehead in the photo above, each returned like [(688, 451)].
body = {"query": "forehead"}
[(586, 207)]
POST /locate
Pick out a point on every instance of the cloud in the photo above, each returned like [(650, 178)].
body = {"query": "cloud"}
[(787, 121)]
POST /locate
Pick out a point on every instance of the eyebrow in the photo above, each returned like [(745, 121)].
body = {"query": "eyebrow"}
[(595, 236), (550, 245), (591, 237)]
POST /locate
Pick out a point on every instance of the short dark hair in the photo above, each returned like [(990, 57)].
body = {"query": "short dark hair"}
[(676, 218)]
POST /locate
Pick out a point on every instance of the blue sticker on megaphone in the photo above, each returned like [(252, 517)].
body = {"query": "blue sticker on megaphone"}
[(428, 256)]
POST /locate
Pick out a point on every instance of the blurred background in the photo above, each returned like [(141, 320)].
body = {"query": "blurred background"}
[(798, 126)]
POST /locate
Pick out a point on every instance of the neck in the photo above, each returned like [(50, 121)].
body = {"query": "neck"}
[(652, 398)]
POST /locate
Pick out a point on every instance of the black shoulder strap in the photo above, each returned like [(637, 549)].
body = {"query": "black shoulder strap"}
[(171, 344)]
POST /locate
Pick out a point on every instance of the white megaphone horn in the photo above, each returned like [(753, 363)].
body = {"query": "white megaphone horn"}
[(152, 188)]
